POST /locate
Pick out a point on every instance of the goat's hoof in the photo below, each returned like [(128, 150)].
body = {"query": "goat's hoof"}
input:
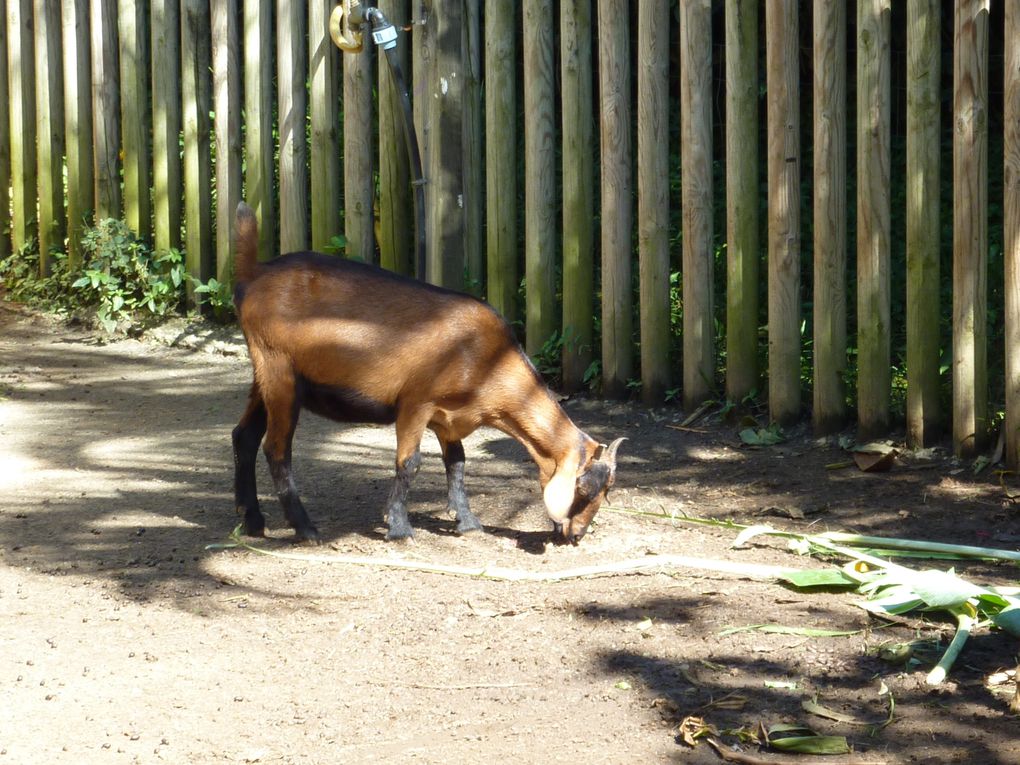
[(310, 535), (250, 529), (469, 526), (400, 535)]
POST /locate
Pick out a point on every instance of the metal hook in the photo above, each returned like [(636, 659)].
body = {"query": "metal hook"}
[(340, 28)]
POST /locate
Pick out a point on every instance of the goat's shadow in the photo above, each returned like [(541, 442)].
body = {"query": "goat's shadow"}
[(530, 542)]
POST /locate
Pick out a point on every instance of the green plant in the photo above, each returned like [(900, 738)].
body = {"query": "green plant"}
[(337, 244), (19, 274), (125, 279), (219, 297), (549, 359)]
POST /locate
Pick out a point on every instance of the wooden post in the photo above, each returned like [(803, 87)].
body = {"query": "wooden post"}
[(783, 102), (970, 226), (423, 51), (359, 160), (617, 210), (474, 182), (105, 108), (5, 142), (292, 102), (166, 124), (77, 124), (742, 199), (445, 168), (258, 120), (829, 411), (396, 205), (226, 37), (873, 217), (21, 86), (923, 220), (653, 180), (1011, 233), (578, 156), (196, 93), (49, 109), (324, 76), (696, 159), (501, 156), (539, 176), (135, 130)]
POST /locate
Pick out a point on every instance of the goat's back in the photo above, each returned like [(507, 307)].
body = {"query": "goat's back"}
[(355, 326)]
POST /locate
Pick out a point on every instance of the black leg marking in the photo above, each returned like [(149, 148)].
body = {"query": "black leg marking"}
[(246, 438), (287, 493), (396, 505), (453, 459)]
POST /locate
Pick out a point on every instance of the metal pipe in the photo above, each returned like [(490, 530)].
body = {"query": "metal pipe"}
[(345, 30)]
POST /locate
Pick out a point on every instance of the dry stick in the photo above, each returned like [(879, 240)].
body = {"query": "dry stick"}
[(460, 687), (730, 755), (499, 573)]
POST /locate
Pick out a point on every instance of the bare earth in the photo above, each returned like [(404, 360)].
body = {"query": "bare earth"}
[(123, 639)]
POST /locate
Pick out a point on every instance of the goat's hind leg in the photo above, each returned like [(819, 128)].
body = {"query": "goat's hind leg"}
[(453, 459), (246, 438), (282, 408)]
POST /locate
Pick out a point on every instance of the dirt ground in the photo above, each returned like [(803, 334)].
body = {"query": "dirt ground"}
[(123, 639)]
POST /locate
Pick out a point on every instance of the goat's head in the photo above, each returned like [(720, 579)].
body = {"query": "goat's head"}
[(591, 486)]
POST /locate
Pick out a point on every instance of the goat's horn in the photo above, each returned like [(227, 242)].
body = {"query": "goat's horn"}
[(609, 453)]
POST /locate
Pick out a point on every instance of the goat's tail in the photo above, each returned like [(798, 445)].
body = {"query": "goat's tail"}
[(247, 231)]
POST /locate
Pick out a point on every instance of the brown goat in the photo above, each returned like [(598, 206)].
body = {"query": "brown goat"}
[(355, 343)]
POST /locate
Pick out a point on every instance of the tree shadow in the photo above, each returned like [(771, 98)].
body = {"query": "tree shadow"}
[(746, 679)]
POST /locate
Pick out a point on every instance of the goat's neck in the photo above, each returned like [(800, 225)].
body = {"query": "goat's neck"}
[(558, 446)]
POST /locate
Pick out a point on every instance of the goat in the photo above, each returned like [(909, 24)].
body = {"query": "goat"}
[(355, 343)]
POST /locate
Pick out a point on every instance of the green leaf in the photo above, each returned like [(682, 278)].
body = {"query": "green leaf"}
[(825, 577), (762, 436), (900, 601), (801, 740), (1008, 620), (935, 589)]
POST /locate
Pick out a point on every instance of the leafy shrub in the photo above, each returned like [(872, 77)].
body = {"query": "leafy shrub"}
[(125, 279), (19, 275), (219, 298)]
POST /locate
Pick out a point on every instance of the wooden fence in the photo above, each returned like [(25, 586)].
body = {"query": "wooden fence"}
[(133, 109)]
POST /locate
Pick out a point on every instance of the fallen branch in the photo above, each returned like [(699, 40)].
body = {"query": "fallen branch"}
[(729, 755), (634, 565)]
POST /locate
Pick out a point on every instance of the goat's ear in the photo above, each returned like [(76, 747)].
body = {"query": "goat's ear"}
[(559, 496), (594, 480)]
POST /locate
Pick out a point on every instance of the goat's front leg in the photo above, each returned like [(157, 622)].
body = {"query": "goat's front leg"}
[(246, 438), (410, 427), (399, 525), (453, 459)]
